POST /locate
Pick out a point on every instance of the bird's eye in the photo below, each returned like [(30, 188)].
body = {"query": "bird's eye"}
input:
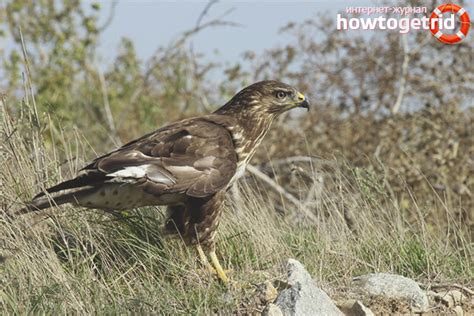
[(281, 95)]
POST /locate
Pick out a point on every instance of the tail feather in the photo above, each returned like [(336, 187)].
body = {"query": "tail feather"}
[(65, 192), (45, 201), (86, 179)]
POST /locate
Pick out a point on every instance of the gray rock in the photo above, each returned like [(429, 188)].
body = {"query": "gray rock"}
[(393, 286), (303, 297)]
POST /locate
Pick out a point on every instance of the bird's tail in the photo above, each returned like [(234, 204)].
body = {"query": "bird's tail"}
[(46, 201), (65, 192)]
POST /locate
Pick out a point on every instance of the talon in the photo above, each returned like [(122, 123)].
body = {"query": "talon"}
[(214, 268)]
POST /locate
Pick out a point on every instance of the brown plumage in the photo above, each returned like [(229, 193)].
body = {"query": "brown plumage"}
[(187, 165)]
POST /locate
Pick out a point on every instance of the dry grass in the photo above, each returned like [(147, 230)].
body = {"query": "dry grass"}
[(72, 260)]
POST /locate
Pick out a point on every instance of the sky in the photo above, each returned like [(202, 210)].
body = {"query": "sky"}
[(151, 24), (154, 23)]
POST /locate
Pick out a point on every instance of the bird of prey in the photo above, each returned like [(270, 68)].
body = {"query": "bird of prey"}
[(187, 165)]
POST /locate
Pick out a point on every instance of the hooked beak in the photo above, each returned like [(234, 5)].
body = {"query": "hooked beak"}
[(302, 101)]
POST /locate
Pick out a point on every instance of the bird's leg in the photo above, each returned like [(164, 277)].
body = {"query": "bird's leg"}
[(204, 260), (176, 221), (203, 221), (220, 272), (214, 266)]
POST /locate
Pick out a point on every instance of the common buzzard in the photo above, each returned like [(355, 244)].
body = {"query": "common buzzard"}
[(187, 166)]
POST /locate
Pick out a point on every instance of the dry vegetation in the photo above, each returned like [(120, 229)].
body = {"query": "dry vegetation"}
[(366, 182)]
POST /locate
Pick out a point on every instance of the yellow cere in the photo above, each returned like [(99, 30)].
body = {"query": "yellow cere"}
[(300, 96)]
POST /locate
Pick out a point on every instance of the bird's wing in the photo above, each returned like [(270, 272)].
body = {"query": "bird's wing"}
[(195, 156)]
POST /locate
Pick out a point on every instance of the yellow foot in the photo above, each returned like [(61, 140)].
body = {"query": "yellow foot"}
[(214, 268), (220, 272), (209, 270)]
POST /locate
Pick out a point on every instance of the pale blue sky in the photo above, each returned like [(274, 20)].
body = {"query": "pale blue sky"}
[(154, 23)]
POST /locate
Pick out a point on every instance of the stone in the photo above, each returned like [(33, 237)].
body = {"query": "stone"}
[(303, 297), (433, 299), (458, 311), (355, 308), (358, 309), (450, 298), (272, 310), (391, 286), (346, 306), (267, 293)]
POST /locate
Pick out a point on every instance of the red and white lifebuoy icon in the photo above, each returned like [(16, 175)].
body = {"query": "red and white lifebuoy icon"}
[(463, 17)]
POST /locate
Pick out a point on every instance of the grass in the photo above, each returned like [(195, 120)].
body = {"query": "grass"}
[(72, 260)]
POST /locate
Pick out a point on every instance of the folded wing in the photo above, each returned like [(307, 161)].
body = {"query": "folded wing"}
[(195, 157)]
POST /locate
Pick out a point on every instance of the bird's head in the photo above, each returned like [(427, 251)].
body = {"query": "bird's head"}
[(272, 97)]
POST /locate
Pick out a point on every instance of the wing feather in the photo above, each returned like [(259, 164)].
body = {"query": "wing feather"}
[(195, 157)]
